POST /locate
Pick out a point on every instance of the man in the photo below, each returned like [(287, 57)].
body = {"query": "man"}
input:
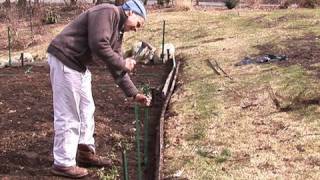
[(99, 32)]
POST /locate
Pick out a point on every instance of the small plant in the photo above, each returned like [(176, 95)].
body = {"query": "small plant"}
[(199, 132), (108, 174), (309, 3), (299, 3), (205, 153), (224, 155), (230, 4), (50, 18), (146, 89)]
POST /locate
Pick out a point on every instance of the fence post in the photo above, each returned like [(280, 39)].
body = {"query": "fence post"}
[(146, 91), (146, 134), (9, 45), (163, 32), (22, 59), (125, 165), (136, 110)]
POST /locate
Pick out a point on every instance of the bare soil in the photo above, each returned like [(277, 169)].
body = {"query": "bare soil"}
[(26, 119)]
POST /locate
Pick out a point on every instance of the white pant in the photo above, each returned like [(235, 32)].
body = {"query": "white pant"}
[(73, 111)]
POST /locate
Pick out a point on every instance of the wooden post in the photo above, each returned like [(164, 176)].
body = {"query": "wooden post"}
[(9, 45), (163, 32), (22, 59)]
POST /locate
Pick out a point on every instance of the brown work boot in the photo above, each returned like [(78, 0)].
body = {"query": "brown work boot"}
[(86, 157), (71, 172)]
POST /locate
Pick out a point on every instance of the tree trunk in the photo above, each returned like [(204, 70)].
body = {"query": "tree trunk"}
[(160, 2), (22, 3), (37, 2), (119, 2), (7, 4), (99, 2), (73, 2)]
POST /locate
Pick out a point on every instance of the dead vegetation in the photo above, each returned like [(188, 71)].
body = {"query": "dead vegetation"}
[(30, 25), (262, 123)]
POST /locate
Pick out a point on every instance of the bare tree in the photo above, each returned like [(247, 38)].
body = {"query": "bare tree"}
[(99, 2), (36, 2), (119, 2), (22, 3), (71, 3), (7, 4), (160, 2), (30, 11)]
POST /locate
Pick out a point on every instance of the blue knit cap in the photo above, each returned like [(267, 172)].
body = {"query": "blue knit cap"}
[(136, 6)]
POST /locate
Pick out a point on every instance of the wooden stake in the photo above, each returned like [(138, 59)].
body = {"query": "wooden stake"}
[(9, 45), (22, 59), (163, 32), (125, 165)]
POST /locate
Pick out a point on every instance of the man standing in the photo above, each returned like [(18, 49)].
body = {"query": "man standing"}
[(99, 32)]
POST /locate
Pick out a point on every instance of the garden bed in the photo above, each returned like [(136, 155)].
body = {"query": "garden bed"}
[(26, 119)]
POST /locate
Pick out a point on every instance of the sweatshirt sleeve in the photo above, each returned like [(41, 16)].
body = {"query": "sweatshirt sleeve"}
[(124, 83), (101, 26)]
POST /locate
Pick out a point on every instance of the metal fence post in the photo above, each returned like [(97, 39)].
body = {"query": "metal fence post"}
[(22, 59), (136, 110), (125, 165), (9, 45), (146, 134)]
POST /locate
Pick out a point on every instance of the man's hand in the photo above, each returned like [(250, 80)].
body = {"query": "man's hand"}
[(130, 63), (143, 99)]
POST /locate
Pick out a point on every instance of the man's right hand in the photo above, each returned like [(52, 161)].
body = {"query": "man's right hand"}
[(130, 63), (143, 99)]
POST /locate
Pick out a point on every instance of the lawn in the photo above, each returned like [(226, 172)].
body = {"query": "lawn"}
[(262, 124)]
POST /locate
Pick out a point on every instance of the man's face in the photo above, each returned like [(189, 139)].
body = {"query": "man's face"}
[(133, 22)]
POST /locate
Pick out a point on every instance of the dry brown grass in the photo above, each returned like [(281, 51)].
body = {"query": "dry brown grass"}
[(227, 129), (183, 4), (223, 129)]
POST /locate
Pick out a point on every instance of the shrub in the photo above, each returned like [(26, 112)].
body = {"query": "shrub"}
[(230, 4), (50, 18), (300, 3), (309, 3), (183, 4)]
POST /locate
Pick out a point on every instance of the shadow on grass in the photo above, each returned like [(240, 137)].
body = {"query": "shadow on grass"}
[(303, 50)]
